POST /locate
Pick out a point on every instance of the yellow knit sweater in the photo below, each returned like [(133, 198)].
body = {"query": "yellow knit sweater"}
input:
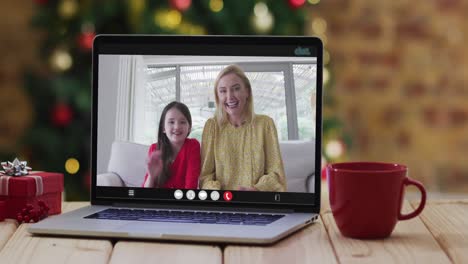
[(245, 156)]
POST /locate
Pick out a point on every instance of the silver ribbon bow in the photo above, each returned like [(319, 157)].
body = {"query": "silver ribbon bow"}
[(15, 168)]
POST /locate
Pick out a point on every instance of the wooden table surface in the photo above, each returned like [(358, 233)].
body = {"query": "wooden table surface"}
[(438, 235)]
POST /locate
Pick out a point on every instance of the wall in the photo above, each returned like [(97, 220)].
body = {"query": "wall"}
[(108, 81), (17, 50), (400, 79)]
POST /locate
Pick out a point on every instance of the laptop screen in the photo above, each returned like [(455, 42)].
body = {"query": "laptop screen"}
[(207, 120)]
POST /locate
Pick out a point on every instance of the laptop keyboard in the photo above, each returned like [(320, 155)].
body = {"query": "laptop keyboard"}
[(186, 216)]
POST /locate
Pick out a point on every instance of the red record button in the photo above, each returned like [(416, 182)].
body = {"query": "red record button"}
[(227, 196)]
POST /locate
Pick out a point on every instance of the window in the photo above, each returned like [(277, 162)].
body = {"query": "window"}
[(281, 90), (270, 98), (305, 90), (159, 90), (197, 92)]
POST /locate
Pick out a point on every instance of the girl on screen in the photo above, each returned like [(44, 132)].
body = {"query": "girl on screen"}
[(240, 150), (174, 161)]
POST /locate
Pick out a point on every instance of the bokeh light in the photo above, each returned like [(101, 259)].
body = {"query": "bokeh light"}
[(72, 165), (334, 149), (168, 19), (216, 5), (60, 60)]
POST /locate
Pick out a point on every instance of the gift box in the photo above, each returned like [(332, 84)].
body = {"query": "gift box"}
[(18, 191)]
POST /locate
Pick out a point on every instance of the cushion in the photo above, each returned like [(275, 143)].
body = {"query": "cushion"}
[(128, 160), (299, 163)]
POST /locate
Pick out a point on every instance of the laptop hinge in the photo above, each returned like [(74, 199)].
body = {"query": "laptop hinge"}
[(198, 208)]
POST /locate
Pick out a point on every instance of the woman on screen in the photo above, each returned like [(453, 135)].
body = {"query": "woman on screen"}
[(174, 162), (240, 150)]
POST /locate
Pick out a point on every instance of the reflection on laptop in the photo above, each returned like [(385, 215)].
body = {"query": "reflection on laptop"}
[(214, 142)]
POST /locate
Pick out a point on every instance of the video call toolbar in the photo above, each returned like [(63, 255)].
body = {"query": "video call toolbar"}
[(202, 195)]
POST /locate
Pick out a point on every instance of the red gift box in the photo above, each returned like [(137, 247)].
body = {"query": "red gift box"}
[(18, 191)]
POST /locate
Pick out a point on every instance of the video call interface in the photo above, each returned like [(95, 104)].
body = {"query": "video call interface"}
[(206, 128)]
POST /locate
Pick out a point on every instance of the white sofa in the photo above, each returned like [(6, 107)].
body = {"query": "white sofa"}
[(127, 165)]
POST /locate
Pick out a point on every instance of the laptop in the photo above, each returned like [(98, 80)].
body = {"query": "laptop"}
[(136, 76)]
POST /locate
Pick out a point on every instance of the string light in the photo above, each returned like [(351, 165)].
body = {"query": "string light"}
[(260, 9), (313, 2), (216, 5), (262, 18), (326, 76), (319, 26), (326, 57), (72, 165), (197, 30), (168, 19), (334, 149), (295, 4), (174, 18), (68, 8), (60, 60), (181, 5)]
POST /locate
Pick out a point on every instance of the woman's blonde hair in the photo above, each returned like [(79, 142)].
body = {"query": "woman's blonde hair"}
[(221, 115)]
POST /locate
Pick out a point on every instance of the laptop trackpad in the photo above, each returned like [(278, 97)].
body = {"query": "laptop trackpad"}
[(152, 229)]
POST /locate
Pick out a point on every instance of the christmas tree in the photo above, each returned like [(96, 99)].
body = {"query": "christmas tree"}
[(59, 139)]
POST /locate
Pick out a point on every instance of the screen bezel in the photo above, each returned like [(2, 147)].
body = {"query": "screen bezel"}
[(209, 46)]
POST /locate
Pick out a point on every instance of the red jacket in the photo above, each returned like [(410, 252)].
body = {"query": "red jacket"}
[(185, 169)]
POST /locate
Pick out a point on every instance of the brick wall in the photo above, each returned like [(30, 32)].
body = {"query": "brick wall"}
[(400, 71), (17, 49)]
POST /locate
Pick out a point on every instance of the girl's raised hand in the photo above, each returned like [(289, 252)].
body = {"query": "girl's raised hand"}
[(154, 164)]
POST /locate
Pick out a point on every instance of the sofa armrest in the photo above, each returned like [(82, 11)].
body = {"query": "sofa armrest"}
[(109, 179), (310, 183), (131, 173)]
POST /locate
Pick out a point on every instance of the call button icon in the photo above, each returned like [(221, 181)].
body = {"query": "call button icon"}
[(227, 196)]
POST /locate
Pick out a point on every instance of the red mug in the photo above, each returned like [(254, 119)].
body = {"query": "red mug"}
[(366, 197)]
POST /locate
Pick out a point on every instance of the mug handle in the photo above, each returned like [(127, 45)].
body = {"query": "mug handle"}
[(422, 203)]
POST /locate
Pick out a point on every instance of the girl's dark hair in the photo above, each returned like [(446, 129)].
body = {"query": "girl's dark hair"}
[(163, 141)]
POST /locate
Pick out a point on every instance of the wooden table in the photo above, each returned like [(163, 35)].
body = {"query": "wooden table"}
[(439, 235)]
